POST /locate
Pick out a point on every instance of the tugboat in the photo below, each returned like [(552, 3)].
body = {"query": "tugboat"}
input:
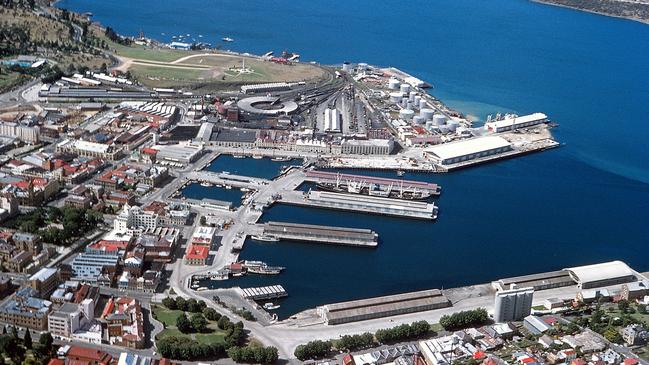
[(227, 39)]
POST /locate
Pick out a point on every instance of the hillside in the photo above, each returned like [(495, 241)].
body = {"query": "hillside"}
[(637, 10)]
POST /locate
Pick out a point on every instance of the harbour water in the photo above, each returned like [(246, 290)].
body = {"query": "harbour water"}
[(585, 202), (198, 192), (264, 168)]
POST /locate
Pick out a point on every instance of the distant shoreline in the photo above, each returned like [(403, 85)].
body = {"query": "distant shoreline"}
[(553, 3)]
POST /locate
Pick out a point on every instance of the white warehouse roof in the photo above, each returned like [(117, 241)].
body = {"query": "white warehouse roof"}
[(515, 121), (467, 147), (599, 272)]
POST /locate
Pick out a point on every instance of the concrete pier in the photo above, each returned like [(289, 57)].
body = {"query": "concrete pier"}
[(322, 234), (264, 292), (383, 183), (363, 204)]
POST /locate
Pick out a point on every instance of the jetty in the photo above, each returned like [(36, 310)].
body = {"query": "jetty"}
[(322, 234), (384, 184)]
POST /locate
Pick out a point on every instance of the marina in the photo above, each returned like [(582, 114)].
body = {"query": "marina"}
[(321, 234)]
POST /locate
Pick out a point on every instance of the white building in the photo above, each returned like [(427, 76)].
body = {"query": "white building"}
[(332, 120), (24, 133), (133, 219), (90, 149), (178, 154), (367, 147), (65, 321), (456, 152), (512, 122), (513, 304)]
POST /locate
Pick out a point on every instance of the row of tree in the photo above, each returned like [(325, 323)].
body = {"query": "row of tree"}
[(186, 305), (184, 348), (253, 354), (464, 319), (318, 348)]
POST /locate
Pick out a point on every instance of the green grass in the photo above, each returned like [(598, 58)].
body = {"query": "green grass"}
[(148, 53), (168, 317), (156, 76), (9, 80)]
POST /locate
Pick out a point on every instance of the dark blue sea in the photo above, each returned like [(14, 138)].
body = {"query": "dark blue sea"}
[(585, 202)]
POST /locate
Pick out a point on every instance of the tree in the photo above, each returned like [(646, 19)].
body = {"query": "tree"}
[(169, 302), (183, 324), (464, 319), (223, 322), (181, 304), (203, 221), (623, 305), (199, 323), (211, 314), (312, 350), (613, 335), (27, 340)]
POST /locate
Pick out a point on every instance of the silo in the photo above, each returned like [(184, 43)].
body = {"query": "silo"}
[(396, 97), (439, 119), (423, 104), (412, 95), (405, 88), (393, 84), (427, 113), (409, 105), (418, 101), (406, 114)]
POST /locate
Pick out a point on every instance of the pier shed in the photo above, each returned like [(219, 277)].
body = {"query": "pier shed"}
[(541, 281), (604, 274), (456, 152), (378, 307)]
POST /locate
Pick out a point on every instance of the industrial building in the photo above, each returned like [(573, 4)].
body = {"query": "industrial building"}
[(364, 309), (267, 106), (604, 274), (180, 154), (90, 149), (367, 146), (514, 122), (542, 281), (332, 121), (265, 88), (513, 304), (456, 152)]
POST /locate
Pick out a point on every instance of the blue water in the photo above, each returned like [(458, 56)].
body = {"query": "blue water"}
[(264, 168), (585, 202), (196, 191)]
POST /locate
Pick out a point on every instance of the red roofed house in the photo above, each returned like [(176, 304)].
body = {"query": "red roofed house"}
[(197, 255), (579, 361), (84, 355), (631, 361)]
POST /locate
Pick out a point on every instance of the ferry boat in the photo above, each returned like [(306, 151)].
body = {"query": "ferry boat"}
[(265, 270), (281, 159), (270, 306), (263, 238), (206, 184), (227, 39)]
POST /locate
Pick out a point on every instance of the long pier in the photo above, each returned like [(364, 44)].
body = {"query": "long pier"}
[(362, 203), (322, 234), (383, 183), (264, 292)]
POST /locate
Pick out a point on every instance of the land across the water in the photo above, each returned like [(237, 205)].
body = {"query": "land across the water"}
[(637, 10)]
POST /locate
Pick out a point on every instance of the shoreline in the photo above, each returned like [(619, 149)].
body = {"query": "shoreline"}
[(547, 2)]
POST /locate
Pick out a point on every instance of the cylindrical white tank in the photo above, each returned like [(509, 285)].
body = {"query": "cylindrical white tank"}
[(427, 113), (409, 105), (443, 129), (396, 97), (363, 66), (417, 119), (393, 84), (405, 88), (412, 95), (423, 104), (452, 125), (429, 125), (418, 101), (439, 119), (406, 114), (347, 67)]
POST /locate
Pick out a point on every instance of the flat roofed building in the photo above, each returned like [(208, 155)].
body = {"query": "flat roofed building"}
[(604, 274), (512, 123), (455, 152), (513, 304), (367, 147), (44, 281), (364, 309), (182, 153), (541, 281)]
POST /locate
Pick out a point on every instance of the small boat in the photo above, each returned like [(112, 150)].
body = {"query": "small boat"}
[(245, 189), (225, 172), (257, 157), (400, 172), (281, 159), (202, 288), (270, 306), (227, 39), (228, 187), (263, 238), (238, 156), (195, 286), (206, 184)]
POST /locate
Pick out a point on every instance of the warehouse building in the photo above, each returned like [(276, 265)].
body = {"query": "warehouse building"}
[(542, 281), (391, 305), (90, 149), (599, 275), (178, 154), (265, 88), (367, 146), (514, 122), (456, 152)]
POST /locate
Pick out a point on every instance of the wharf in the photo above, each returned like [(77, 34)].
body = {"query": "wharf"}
[(227, 179), (322, 234), (384, 183), (362, 203), (205, 203), (264, 292)]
